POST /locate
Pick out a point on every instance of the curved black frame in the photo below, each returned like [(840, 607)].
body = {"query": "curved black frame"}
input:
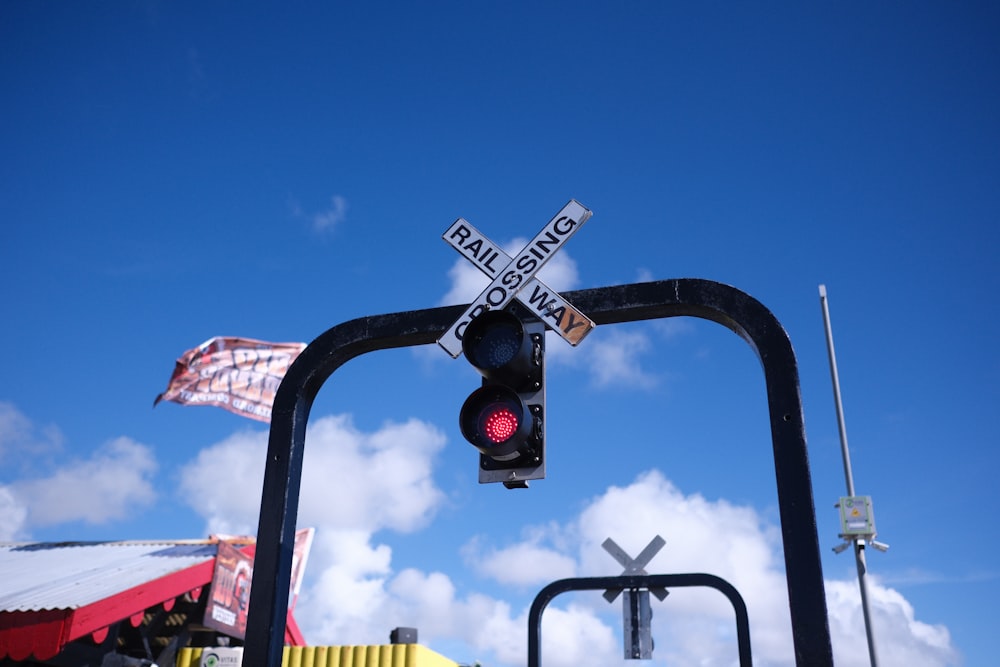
[(647, 582), (693, 297)]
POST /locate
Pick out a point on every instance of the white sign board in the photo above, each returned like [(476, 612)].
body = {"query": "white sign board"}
[(222, 656), (547, 304), (856, 517), (516, 274)]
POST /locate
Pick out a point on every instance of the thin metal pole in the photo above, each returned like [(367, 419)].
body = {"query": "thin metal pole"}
[(859, 545)]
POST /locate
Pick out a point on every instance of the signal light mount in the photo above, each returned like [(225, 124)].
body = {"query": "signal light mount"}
[(505, 418)]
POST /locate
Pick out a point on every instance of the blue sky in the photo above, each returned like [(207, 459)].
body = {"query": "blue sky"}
[(169, 173)]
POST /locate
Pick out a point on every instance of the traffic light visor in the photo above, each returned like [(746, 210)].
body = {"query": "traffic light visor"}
[(496, 344)]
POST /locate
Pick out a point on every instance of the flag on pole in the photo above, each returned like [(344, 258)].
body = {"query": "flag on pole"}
[(238, 374)]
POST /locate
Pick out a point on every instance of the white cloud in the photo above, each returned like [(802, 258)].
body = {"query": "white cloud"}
[(673, 327), (575, 636), (13, 516), (332, 216), (350, 481), (715, 537), (615, 356), (21, 438), (112, 484), (900, 639), (523, 564), (350, 586), (644, 275), (693, 626), (14, 427), (221, 484), (115, 481), (354, 484), (482, 623), (613, 359), (466, 283), (353, 594)]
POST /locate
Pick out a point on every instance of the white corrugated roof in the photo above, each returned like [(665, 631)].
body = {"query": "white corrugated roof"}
[(70, 575)]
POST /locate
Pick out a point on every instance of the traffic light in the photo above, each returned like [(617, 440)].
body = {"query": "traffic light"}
[(504, 419)]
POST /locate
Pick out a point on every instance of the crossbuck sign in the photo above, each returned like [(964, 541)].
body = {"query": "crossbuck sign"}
[(515, 278), (636, 613), (635, 565)]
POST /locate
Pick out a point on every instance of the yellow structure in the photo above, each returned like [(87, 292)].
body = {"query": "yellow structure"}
[(387, 655)]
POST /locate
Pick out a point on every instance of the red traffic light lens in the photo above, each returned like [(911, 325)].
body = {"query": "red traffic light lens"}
[(498, 423)]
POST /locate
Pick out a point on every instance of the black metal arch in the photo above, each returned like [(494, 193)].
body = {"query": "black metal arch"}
[(693, 297), (638, 581)]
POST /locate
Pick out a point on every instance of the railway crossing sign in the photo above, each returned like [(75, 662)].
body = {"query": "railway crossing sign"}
[(636, 613), (635, 565), (515, 277)]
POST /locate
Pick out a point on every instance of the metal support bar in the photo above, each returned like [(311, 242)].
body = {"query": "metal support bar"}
[(859, 545), (636, 617), (692, 297), (638, 581)]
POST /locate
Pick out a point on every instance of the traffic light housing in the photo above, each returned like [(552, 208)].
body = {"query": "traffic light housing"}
[(504, 418)]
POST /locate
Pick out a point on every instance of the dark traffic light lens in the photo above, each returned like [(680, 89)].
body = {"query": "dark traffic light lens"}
[(497, 346), (502, 351)]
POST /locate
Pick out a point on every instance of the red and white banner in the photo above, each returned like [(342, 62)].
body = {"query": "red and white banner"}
[(229, 598), (229, 595), (238, 374)]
